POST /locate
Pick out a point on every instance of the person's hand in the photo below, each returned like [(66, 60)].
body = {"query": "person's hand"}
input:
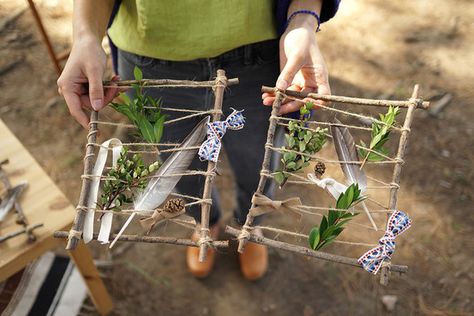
[(81, 80), (302, 65)]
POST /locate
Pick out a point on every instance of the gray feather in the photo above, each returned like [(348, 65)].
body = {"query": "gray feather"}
[(158, 189), (346, 151)]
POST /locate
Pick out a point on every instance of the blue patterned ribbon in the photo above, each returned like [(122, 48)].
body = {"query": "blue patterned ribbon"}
[(372, 260), (211, 147)]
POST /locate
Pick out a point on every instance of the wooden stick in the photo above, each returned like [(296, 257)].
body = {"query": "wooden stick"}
[(306, 251), (384, 273), (45, 37), (153, 240), (265, 165), (168, 83), (219, 87), (418, 103), (78, 223)]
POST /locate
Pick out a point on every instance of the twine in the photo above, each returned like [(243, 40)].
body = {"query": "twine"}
[(360, 116), (74, 234), (188, 173), (287, 232), (326, 161), (244, 233)]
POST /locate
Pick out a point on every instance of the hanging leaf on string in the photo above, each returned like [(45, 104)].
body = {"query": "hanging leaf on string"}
[(333, 223), (143, 111), (379, 136), (302, 140)]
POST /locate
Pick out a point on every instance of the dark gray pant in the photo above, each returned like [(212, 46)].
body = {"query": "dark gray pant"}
[(255, 65)]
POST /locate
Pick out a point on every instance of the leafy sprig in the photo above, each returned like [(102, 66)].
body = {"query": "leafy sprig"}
[(143, 111), (301, 140), (379, 136), (122, 181), (333, 224)]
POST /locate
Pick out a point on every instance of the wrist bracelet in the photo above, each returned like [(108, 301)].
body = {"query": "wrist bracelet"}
[(304, 12)]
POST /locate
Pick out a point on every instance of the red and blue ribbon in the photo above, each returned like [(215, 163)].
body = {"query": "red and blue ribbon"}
[(372, 260)]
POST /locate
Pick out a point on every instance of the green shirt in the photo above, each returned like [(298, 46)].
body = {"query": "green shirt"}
[(191, 29)]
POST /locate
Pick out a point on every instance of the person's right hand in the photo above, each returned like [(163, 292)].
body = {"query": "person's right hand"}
[(81, 80)]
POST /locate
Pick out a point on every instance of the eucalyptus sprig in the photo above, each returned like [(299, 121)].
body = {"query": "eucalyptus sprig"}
[(333, 224), (143, 111), (123, 180), (302, 140), (379, 136)]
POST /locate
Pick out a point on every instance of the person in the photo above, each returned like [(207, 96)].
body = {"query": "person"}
[(261, 42)]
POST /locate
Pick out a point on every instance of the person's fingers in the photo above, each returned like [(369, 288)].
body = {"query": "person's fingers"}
[(96, 90), (324, 89), (111, 93), (74, 104), (289, 107), (85, 101), (292, 66)]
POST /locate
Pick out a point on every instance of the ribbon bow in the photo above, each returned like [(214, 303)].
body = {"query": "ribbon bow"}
[(372, 260), (211, 147), (160, 215), (264, 204)]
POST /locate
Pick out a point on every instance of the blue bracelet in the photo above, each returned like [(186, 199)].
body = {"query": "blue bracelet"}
[(304, 12)]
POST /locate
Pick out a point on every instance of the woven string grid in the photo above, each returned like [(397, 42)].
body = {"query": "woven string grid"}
[(154, 148), (312, 210)]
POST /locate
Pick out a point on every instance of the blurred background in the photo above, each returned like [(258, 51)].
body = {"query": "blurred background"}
[(374, 49)]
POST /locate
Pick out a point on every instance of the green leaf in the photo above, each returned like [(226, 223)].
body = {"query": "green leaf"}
[(291, 142), (309, 105), (314, 237), (291, 165), (299, 164), (158, 128), (349, 195), (125, 98), (279, 177), (302, 147), (288, 156), (342, 223), (332, 216), (146, 129), (324, 225), (137, 73), (348, 215), (328, 241)]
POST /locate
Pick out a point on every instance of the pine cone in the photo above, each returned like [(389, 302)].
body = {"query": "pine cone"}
[(319, 169), (174, 205)]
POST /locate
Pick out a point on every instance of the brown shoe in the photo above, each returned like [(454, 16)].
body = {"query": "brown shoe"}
[(254, 260), (201, 269)]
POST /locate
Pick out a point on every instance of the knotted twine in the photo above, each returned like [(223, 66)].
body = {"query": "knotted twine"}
[(173, 208), (262, 204)]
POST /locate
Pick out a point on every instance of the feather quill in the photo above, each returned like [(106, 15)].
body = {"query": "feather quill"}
[(160, 186), (346, 151)]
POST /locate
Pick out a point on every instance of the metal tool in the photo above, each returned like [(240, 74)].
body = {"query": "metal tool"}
[(27, 230), (10, 202)]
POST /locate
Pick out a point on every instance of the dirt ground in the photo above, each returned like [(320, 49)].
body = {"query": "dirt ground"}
[(374, 49)]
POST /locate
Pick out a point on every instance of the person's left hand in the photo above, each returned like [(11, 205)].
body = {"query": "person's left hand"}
[(303, 66)]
